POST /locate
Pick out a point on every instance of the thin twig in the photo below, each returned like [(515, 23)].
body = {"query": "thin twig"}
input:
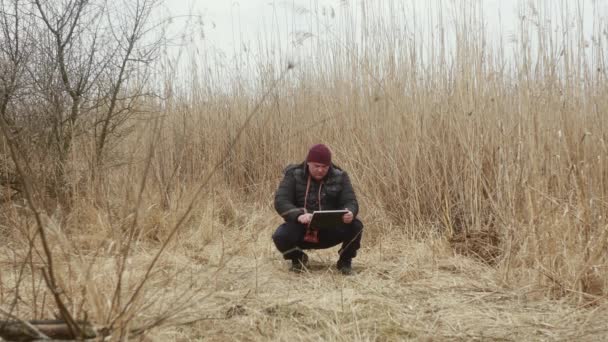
[(28, 191), (203, 185), (127, 247)]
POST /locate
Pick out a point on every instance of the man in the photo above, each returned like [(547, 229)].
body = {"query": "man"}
[(316, 184)]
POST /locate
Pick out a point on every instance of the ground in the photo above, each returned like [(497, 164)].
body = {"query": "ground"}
[(403, 289), (419, 292)]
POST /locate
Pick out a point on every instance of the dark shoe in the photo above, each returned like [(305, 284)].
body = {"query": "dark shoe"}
[(345, 266), (299, 265)]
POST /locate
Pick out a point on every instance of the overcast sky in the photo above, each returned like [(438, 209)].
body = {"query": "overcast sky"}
[(232, 26), (226, 19)]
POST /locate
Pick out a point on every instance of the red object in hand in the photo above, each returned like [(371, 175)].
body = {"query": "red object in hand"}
[(312, 235)]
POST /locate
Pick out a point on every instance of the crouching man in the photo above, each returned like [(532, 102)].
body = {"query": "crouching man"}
[(316, 184)]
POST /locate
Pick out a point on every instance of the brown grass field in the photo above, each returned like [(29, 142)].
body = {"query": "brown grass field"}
[(481, 172)]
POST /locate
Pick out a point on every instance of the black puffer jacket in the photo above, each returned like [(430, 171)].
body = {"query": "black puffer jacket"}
[(336, 192)]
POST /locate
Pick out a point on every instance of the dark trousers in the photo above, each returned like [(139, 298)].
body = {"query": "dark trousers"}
[(289, 239)]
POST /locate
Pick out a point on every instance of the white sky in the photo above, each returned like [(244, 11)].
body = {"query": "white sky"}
[(233, 26)]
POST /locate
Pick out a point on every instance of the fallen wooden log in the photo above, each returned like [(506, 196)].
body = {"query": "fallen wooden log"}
[(53, 329)]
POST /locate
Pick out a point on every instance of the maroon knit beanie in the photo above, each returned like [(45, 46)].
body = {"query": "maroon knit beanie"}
[(319, 153)]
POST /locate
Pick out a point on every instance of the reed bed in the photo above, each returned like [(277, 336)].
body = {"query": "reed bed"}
[(480, 166)]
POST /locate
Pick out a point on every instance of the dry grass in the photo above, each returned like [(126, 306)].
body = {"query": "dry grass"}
[(403, 289), (482, 178)]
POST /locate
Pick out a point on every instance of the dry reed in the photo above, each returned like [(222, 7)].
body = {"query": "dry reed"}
[(454, 147)]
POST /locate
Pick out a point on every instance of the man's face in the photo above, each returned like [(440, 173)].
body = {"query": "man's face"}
[(317, 170)]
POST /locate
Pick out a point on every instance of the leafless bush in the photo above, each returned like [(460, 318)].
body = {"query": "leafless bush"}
[(75, 72)]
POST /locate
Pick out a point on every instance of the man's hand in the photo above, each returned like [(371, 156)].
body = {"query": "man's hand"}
[(305, 218), (348, 217)]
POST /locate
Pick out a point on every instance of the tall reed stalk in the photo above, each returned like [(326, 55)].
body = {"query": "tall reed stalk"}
[(446, 130)]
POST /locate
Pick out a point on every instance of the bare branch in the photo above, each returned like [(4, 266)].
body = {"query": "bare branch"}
[(198, 192), (52, 283)]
